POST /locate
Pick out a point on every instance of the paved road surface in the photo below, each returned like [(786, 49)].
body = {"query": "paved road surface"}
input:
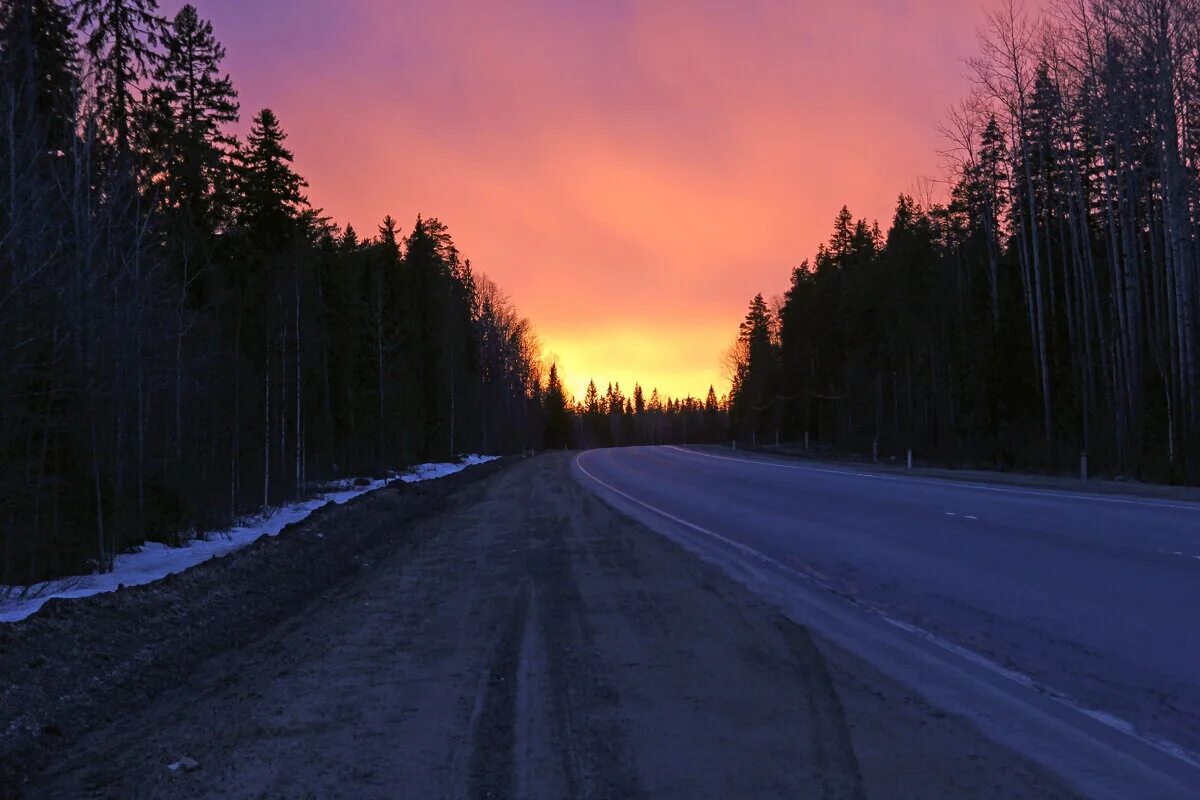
[(1065, 624)]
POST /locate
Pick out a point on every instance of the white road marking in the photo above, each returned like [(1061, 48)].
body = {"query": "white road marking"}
[(1115, 723), (1179, 553), (951, 514), (949, 484)]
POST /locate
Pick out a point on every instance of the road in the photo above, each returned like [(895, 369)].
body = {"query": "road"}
[(506, 636), (1064, 625)]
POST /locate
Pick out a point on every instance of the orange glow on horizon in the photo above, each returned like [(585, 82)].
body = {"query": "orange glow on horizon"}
[(630, 174), (678, 359)]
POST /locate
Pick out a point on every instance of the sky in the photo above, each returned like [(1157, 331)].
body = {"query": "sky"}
[(630, 173)]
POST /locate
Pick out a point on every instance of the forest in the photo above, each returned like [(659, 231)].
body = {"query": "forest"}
[(184, 338), (1046, 309), (613, 419)]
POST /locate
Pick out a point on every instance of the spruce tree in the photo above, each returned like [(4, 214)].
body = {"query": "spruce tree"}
[(594, 411), (121, 36), (191, 105), (557, 419), (591, 399), (270, 196), (753, 381), (712, 411), (428, 293), (39, 68)]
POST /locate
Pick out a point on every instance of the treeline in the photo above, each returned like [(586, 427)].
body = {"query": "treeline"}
[(613, 419), (1049, 307), (183, 337)]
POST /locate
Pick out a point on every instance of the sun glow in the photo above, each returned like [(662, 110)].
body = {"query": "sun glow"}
[(631, 174)]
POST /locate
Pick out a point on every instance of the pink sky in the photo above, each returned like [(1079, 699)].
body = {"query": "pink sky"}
[(630, 173)]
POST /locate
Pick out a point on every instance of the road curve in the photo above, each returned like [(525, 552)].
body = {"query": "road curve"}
[(1062, 624)]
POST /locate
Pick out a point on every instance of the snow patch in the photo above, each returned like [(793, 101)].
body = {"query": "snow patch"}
[(424, 472), (153, 561)]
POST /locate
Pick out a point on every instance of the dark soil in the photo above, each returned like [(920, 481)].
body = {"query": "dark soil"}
[(78, 664)]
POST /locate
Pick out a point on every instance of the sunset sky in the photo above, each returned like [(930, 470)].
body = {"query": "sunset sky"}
[(631, 173)]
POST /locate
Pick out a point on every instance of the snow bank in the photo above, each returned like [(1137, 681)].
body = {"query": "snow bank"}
[(424, 472), (153, 561)]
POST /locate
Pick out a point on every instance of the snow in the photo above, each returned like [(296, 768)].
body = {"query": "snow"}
[(153, 561), (424, 472)]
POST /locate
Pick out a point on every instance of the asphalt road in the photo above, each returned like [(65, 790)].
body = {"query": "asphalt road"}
[(1064, 625)]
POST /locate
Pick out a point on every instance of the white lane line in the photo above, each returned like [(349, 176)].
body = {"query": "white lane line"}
[(1166, 746), (1178, 553), (971, 516), (750, 551), (951, 514), (949, 484)]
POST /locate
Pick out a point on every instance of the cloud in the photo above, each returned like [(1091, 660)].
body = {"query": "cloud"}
[(630, 172)]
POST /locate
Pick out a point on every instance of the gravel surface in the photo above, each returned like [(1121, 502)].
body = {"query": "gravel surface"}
[(503, 637)]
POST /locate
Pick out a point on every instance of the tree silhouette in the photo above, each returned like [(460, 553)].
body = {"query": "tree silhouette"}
[(558, 422)]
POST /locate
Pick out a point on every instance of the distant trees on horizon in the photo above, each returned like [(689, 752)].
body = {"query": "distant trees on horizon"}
[(1049, 307), (183, 337), (613, 419)]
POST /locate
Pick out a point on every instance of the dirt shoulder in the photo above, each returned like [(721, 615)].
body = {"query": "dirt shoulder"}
[(524, 641), (83, 663)]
